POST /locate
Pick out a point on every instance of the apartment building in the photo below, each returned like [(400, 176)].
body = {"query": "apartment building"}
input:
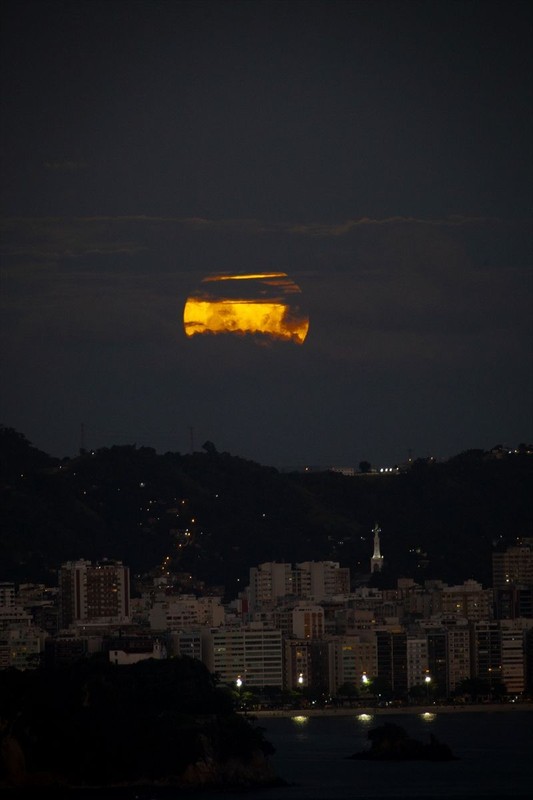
[(252, 654), (270, 582), (185, 612), (513, 565), (320, 580), (94, 592)]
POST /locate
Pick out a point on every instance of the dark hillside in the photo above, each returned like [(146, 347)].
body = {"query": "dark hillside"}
[(438, 519), (214, 515)]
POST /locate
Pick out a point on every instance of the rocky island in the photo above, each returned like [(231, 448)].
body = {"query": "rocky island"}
[(390, 742)]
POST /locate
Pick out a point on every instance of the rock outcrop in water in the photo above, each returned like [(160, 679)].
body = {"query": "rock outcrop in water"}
[(390, 742)]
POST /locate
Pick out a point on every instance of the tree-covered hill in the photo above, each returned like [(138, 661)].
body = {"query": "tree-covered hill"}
[(214, 515), (94, 723)]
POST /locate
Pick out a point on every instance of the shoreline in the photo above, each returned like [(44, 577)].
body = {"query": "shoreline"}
[(378, 712)]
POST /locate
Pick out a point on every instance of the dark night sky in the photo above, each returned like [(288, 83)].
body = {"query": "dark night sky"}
[(380, 153)]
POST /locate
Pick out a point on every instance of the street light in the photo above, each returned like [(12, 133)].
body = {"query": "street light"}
[(300, 679), (427, 680)]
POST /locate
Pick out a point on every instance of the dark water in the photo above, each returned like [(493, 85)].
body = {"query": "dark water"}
[(494, 750)]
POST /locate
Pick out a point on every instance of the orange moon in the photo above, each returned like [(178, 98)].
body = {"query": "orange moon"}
[(265, 304)]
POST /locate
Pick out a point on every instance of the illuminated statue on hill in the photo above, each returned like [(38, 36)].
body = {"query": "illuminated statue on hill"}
[(376, 562)]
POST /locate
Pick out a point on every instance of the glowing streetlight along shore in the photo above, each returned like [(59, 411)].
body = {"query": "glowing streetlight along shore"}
[(266, 304), (427, 680)]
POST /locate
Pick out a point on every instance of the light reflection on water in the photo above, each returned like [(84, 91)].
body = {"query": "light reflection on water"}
[(314, 757), (300, 719)]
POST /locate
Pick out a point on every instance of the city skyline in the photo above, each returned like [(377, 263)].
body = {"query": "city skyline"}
[(377, 153), (455, 634)]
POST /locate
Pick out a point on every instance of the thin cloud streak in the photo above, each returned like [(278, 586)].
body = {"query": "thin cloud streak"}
[(74, 237)]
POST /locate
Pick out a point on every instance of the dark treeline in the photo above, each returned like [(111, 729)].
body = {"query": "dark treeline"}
[(95, 723), (216, 514)]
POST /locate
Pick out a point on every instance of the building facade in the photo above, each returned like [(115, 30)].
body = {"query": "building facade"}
[(94, 592), (252, 655)]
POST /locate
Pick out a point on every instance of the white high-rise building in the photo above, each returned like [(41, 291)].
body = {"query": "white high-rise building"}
[(468, 600), (185, 612), (355, 659), (513, 654), (458, 652), (308, 622), (417, 659), (513, 566), (251, 656), (321, 579), (269, 583)]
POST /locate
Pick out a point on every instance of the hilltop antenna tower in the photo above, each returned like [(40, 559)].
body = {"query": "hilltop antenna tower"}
[(376, 562)]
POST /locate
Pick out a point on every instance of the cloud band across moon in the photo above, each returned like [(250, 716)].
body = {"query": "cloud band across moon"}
[(254, 304)]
